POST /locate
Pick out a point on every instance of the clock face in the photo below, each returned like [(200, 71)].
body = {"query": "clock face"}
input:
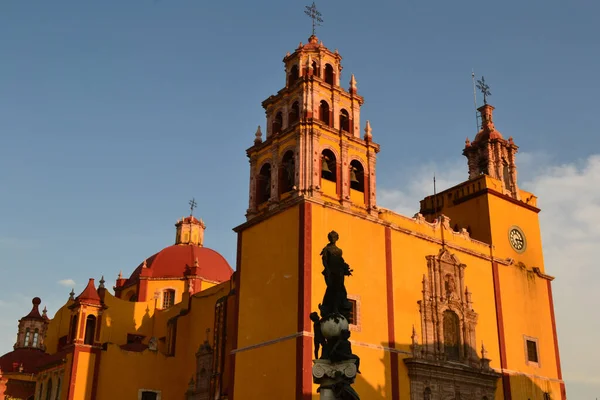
[(517, 239)]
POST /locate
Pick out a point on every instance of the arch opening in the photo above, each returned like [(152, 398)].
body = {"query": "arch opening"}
[(329, 75), (293, 76), (344, 120), (315, 68), (74, 328), (294, 114), (324, 112), (287, 173), (263, 184), (328, 166), (90, 329), (357, 176), (277, 123), (27, 337)]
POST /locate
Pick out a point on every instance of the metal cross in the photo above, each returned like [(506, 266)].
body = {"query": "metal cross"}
[(313, 13), (207, 332), (193, 205), (484, 88)]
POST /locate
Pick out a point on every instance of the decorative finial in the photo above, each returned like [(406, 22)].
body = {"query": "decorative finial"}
[(467, 142), (101, 282), (196, 262), (72, 294), (368, 134), (258, 136), (352, 82), (315, 15), (120, 275), (483, 350), (193, 205), (21, 367), (207, 332), (144, 264), (484, 88), (44, 312)]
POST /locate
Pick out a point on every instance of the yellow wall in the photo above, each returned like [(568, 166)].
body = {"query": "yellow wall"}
[(268, 311)]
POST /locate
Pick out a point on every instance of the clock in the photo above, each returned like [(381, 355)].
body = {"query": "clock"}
[(516, 237)]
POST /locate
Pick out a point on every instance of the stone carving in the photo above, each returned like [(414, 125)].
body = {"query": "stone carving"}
[(337, 367), (199, 389), (446, 364)]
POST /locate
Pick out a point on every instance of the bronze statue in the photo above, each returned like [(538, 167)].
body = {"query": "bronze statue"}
[(319, 339), (335, 270), (342, 350)]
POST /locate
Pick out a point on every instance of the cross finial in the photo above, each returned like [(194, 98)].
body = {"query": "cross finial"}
[(207, 332), (193, 205), (484, 88), (313, 13)]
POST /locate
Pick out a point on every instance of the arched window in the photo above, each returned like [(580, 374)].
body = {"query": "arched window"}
[(329, 74), (90, 330), (357, 176), (49, 389), (287, 173), (36, 336), (277, 123), (451, 335), (293, 75), (294, 114), (74, 328), (168, 298), (328, 166), (324, 112), (344, 120), (315, 68), (27, 337), (263, 184)]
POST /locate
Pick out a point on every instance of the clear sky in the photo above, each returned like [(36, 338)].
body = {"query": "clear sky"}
[(113, 114)]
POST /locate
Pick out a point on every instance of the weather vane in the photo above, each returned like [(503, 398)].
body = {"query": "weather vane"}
[(193, 205), (484, 88), (313, 13)]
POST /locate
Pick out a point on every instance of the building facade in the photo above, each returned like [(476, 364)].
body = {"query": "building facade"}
[(452, 303)]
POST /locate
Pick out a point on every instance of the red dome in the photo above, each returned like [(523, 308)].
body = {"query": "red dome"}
[(174, 261)]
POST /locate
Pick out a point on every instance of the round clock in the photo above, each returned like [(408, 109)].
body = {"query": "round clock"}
[(516, 237)]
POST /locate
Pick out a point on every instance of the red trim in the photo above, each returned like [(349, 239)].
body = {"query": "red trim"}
[(97, 353), (304, 343), (563, 391), (71, 387), (142, 290), (238, 272), (389, 277), (501, 339)]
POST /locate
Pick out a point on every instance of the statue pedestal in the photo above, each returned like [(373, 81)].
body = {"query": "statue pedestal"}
[(330, 376)]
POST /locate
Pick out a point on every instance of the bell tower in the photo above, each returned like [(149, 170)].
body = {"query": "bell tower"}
[(312, 145), (490, 154)]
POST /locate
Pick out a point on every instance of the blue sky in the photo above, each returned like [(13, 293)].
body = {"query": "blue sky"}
[(114, 114)]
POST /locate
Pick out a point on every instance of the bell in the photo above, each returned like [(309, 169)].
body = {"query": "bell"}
[(353, 176), (325, 166)]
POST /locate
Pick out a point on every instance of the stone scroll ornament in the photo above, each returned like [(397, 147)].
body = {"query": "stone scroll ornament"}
[(336, 368)]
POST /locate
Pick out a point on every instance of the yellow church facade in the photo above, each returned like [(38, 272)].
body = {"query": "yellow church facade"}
[(451, 303)]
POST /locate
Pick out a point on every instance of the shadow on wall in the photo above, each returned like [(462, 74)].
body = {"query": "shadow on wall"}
[(522, 387)]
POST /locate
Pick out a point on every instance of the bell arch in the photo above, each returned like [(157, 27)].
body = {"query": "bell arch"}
[(287, 172), (263, 183)]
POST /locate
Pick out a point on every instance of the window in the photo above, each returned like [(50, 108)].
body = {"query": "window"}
[(287, 173), (263, 184), (145, 394), (171, 336), (57, 397), (90, 330), (293, 77), (353, 313), (294, 114), (532, 350), (277, 123), (27, 335), (74, 328), (36, 336), (49, 390), (168, 298)]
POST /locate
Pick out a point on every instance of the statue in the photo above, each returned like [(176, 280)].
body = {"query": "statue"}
[(335, 270), (337, 367)]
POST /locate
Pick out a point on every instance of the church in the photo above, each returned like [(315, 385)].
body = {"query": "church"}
[(451, 303)]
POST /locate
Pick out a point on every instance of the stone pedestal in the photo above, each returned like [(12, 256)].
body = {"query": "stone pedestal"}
[(330, 375)]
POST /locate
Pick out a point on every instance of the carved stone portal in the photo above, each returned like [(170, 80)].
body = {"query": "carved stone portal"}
[(446, 365), (199, 389)]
